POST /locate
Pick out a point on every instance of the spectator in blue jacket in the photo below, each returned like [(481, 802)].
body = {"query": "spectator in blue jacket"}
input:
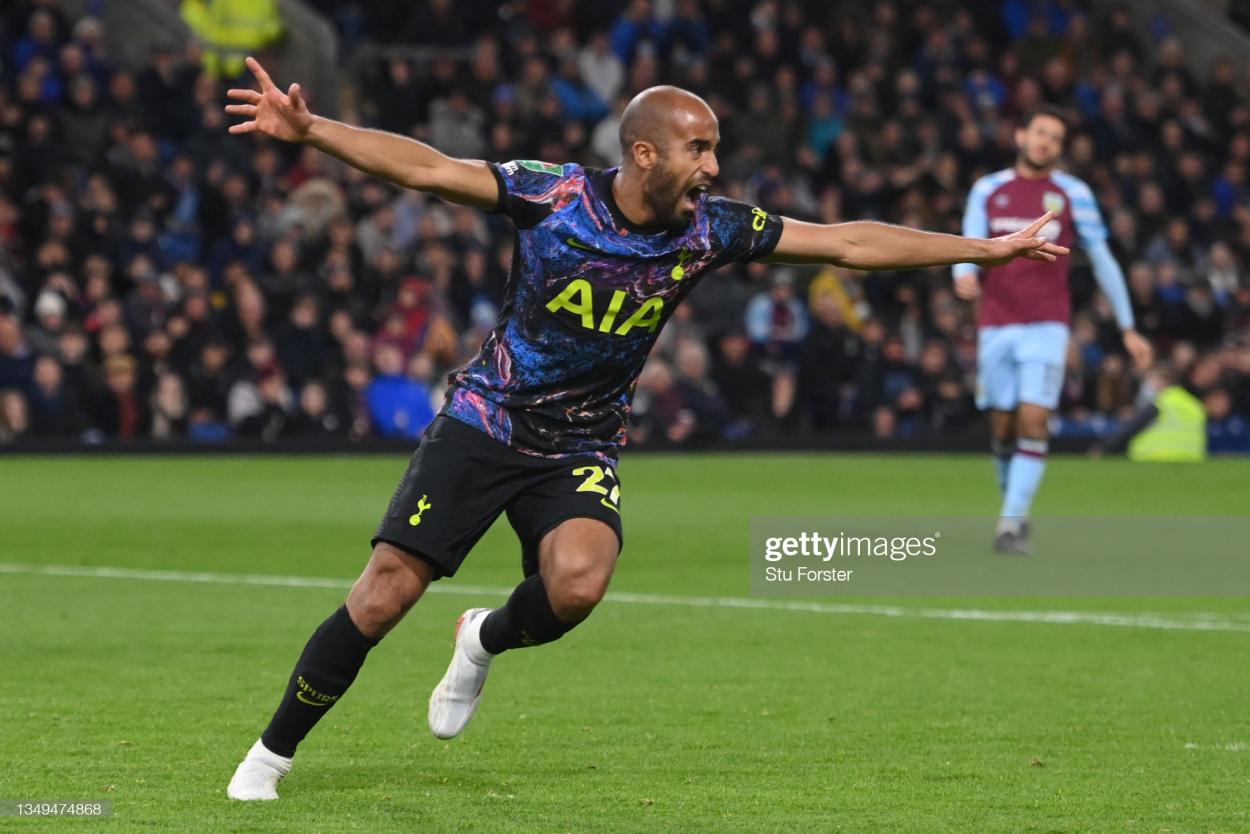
[(398, 406)]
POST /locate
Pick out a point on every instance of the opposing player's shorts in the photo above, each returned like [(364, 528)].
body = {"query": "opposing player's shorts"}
[(459, 480), (1021, 363)]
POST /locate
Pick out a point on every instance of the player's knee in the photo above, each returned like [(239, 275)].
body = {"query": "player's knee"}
[(375, 612), (573, 598), (576, 564), (391, 583), (1034, 427), (1003, 426)]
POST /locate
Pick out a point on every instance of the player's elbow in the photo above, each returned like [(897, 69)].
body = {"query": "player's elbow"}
[(850, 253), (838, 246)]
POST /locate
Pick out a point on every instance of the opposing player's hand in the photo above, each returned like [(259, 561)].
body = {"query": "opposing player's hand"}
[(1138, 347), (281, 115), (967, 287), (1025, 243)]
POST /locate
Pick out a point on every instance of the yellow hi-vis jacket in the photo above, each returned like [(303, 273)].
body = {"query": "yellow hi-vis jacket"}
[(230, 29), (1179, 433)]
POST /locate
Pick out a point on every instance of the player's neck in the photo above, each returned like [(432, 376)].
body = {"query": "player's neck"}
[(627, 194), (1032, 172)]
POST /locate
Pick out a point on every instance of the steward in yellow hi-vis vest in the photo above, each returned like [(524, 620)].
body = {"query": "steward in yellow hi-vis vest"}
[(1179, 433), (1172, 425), (232, 29)]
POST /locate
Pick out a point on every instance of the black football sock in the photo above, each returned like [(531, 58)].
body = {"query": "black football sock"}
[(325, 670), (525, 620)]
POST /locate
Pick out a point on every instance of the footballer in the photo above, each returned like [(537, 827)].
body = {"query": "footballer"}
[(532, 426), (1024, 308)]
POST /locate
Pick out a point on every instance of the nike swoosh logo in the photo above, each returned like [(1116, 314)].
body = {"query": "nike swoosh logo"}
[(299, 696), (577, 244)]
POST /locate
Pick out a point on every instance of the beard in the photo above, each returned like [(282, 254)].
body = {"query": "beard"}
[(1037, 162), (663, 194)]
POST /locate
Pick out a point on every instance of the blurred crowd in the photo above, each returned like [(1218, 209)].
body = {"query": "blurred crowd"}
[(161, 278)]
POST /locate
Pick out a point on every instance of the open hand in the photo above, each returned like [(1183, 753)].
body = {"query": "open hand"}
[(967, 287), (281, 115), (1138, 347), (1025, 243)]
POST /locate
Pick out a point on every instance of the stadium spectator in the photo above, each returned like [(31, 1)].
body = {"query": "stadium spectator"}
[(742, 383), (698, 393), (17, 360), (53, 407), (398, 406), (314, 418), (14, 416), (170, 416), (827, 364), (600, 68), (659, 414), (777, 324), (140, 243), (121, 411)]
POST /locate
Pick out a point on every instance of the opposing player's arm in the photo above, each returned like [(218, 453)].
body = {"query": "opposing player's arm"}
[(1092, 233), (976, 223), (880, 246), (388, 156)]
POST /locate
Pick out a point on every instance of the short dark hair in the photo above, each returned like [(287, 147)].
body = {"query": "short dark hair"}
[(1047, 110)]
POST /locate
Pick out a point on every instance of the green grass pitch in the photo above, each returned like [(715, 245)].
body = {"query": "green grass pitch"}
[(651, 717)]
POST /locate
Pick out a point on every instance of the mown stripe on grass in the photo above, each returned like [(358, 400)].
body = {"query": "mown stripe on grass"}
[(1170, 622)]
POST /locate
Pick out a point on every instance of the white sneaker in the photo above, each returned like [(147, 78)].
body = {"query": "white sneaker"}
[(258, 774), (454, 700)]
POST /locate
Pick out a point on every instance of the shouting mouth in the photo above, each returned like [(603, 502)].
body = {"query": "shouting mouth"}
[(694, 194)]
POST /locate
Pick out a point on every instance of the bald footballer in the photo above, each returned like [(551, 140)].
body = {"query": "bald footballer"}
[(532, 426)]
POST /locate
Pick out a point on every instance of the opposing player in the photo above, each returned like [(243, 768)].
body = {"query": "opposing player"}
[(532, 425), (1024, 310)]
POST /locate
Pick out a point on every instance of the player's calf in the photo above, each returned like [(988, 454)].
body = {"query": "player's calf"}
[(1024, 476), (390, 584), (1003, 451), (575, 565), (326, 668), (530, 619)]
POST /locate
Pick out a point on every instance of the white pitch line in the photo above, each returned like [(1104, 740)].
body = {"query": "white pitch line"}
[(1200, 621)]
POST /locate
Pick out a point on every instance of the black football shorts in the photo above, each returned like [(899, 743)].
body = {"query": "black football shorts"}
[(459, 480)]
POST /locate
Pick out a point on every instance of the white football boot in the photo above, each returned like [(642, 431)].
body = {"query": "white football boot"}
[(455, 699), (258, 774)]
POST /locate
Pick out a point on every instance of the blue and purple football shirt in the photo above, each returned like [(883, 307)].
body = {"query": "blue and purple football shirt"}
[(587, 296)]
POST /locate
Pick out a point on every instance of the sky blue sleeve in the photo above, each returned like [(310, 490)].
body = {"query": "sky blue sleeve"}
[(1110, 280), (759, 318), (1093, 236), (976, 221)]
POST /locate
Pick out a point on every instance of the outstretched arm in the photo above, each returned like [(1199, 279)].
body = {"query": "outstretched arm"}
[(388, 156), (880, 246)]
